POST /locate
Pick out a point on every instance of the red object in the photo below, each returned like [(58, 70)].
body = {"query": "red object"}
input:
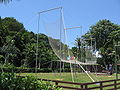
[(72, 58)]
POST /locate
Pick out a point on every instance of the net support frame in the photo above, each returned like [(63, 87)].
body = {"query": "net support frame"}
[(39, 13)]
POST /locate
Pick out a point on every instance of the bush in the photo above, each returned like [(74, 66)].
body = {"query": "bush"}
[(11, 68), (23, 70), (9, 81)]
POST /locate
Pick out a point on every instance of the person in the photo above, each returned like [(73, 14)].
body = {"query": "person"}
[(68, 58), (110, 69), (72, 58)]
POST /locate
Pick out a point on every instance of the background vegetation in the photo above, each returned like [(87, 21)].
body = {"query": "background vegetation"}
[(18, 45), (9, 81), (106, 37)]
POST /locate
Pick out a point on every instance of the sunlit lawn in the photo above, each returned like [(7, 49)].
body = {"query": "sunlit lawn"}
[(77, 77)]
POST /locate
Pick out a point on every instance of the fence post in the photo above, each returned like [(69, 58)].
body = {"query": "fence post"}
[(86, 86), (115, 87), (81, 86), (56, 83), (101, 86)]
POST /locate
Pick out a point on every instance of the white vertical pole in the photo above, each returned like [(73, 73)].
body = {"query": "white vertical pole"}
[(60, 38), (37, 43)]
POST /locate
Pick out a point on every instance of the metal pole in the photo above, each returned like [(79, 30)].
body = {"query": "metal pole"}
[(64, 41), (81, 45), (73, 27), (49, 10), (77, 36), (60, 37), (38, 33), (37, 43), (69, 53), (115, 58), (116, 67)]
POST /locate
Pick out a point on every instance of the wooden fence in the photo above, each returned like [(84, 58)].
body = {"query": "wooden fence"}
[(101, 85)]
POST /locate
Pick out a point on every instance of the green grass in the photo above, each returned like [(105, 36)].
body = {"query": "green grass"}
[(78, 77)]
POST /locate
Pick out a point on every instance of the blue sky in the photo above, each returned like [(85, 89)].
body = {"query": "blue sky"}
[(76, 12)]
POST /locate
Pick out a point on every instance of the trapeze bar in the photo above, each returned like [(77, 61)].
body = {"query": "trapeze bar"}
[(49, 10), (73, 27)]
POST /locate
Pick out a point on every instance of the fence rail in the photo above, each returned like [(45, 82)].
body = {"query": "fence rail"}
[(101, 85)]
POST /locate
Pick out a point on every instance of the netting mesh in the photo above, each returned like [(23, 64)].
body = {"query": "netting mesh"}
[(63, 41), (68, 45), (56, 36), (90, 56)]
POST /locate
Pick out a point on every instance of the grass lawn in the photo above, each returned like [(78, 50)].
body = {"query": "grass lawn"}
[(78, 77)]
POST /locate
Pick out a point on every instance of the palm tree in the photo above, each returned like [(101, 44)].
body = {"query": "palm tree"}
[(5, 1)]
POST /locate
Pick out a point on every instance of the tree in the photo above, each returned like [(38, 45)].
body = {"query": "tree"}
[(103, 33), (18, 46), (100, 32)]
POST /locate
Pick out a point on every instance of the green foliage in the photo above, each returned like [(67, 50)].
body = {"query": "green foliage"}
[(9, 65), (100, 32), (1, 58), (105, 35), (9, 81), (18, 46)]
